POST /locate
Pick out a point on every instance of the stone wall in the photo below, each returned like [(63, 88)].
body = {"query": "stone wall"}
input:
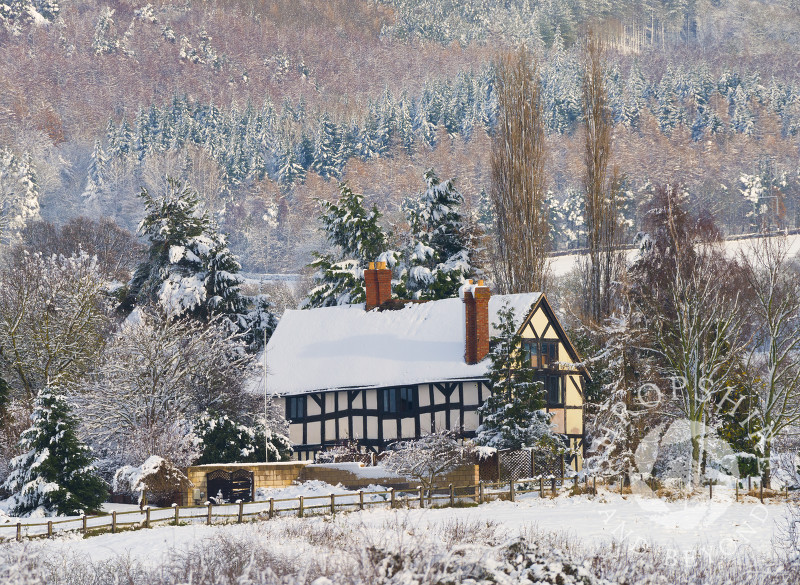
[(265, 475), (350, 475)]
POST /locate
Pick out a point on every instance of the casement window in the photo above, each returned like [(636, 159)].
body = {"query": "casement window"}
[(296, 407), (400, 400), (553, 389), (541, 353)]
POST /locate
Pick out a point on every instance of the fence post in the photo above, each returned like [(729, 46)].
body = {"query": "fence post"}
[(392, 498), (49, 528), (511, 495), (452, 495), (241, 510), (621, 483), (710, 490), (749, 483), (19, 531), (300, 509), (147, 516), (737, 490), (177, 513), (114, 522), (480, 492), (761, 491), (360, 499), (208, 519), (541, 486), (271, 508), (83, 523), (421, 497), (333, 504), (594, 485)]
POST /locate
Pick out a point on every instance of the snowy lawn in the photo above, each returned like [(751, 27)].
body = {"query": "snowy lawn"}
[(691, 541), (717, 528)]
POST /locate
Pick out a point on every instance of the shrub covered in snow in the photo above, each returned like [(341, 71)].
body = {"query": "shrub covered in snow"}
[(514, 563), (55, 474), (155, 481), (430, 457), (223, 440)]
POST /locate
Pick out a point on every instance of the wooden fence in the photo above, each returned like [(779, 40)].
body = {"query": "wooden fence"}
[(302, 506)]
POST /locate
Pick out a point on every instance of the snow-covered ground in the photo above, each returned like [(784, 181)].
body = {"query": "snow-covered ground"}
[(563, 265), (624, 537), (718, 527)]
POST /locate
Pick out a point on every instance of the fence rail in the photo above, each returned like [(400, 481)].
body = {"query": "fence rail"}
[(301, 506)]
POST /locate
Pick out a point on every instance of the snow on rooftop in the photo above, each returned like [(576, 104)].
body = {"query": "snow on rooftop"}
[(346, 346)]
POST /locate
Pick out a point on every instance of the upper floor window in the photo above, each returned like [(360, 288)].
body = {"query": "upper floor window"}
[(399, 399), (542, 354), (295, 407)]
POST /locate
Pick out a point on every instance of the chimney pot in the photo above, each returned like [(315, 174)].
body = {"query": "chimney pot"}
[(372, 266)]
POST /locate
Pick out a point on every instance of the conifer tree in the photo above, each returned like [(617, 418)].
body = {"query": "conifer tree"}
[(95, 178), (356, 232), (326, 150), (223, 440), (190, 271), (514, 415), (55, 473), (438, 255)]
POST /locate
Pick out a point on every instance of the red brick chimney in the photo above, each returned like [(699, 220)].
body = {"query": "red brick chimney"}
[(378, 284), (476, 312)]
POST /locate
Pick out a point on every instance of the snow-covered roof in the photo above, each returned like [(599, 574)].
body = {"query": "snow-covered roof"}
[(348, 347)]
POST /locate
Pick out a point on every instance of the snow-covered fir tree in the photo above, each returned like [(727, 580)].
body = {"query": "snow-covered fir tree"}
[(55, 474), (190, 271), (95, 179), (105, 38), (438, 255), (19, 193), (326, 150), (358, 237), (223, 440), (513, 416)]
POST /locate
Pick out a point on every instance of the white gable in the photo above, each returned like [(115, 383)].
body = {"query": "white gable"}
[(348, 347)]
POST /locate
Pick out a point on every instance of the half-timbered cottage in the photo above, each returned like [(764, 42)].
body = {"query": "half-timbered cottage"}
[(389, 369)]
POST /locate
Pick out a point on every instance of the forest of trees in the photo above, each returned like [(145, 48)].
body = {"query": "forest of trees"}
[(263, 133), (152, 152)]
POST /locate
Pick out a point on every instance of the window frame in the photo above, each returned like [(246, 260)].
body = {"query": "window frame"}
[(296, 407), (400, 400)]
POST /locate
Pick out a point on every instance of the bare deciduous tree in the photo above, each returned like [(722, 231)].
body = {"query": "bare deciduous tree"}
[(430, 457), (603, 228), (701, 343), (52, 320), (518, 177), (155, 376), (774, 358)]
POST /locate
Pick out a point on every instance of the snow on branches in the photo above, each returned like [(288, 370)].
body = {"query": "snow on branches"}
[(190, 271), (55, 474), (428, 458)]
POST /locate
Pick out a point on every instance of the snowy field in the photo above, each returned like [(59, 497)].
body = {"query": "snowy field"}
[(563, 265), (717, 533)]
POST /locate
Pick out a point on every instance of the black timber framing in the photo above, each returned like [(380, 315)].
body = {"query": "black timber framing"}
[(452, 393)]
